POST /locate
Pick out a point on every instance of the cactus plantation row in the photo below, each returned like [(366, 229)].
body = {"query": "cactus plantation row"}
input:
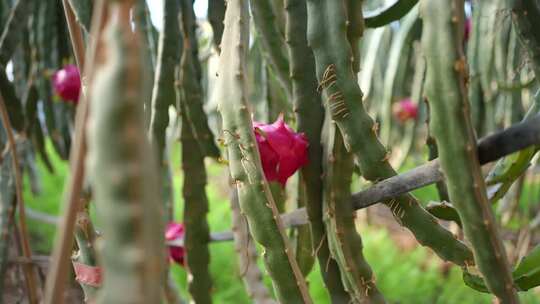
[(324, 114)]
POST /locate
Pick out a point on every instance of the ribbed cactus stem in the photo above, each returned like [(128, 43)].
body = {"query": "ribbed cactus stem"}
[(246, 251), (192, 94), (164, 94), (124, 170), (273, 42), (197, 233), (526, 17), (309, 118), (245, 166), (85, 236), (7, 211), (326, 30), (83, 12), (13, 29), (216, 13), (345, 242), (451, 126)]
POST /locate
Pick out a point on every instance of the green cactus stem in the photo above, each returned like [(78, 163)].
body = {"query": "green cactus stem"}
[(246, 251), (164, 94), (507, 170), (452, 129), (344, 241), (326, 30), (13, 29), (7, 210), (386, 15), (272, 40), (192, 95), (123, 170), (526, 17), (526, 274), (83, 12), (13, 103), (444, 211), (309, 118), (197, 233), (245, 166), (396, 69), (85, 236), (216, 13)]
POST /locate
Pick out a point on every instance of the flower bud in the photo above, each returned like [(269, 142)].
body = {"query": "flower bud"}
[(282, 150), (67, 83), (175, 231)]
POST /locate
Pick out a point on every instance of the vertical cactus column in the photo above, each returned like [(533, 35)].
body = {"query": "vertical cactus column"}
[(526, 17), (309, 118), (163, 94), (254, 194), (189, 80), (344, 241), (265, 20), (327, 35), (124, 169), (197, 233), (451, 126)]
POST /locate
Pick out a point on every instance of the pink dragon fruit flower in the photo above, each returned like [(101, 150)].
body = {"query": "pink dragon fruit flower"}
[(282, 150), (405, 110), (175, 231), (67, 83)]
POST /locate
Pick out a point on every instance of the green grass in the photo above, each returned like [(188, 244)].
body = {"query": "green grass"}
[(404, 277)]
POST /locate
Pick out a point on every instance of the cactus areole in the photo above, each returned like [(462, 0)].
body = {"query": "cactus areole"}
[(282, 150), (67, 83), (405, 110), (175, 231)]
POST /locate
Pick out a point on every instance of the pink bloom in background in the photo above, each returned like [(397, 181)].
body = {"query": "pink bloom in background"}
[(175, 231), (467, 32), (282, 150), (67, 83), (405, 110)]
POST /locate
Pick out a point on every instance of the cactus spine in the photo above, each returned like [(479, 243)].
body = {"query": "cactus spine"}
[(309, 117), (123, 169), (452, 129), (254, 194), (345, 243), (343, 94)]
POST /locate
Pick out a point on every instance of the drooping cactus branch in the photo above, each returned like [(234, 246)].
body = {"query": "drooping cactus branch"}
[(123, 169), (386, 15), (335, 75), (254, 194), (451, 126)]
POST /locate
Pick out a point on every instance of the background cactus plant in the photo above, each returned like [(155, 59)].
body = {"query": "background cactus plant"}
[(291, 141)]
